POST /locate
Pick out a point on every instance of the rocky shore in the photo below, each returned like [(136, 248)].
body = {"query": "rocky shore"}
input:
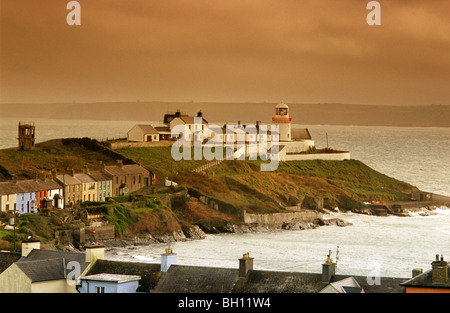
[(196, 233)]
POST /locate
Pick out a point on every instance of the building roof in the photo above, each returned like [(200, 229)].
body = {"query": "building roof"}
[(148, 272), (197, 279), (146, 129), (67, 179), (29, 185), (44, 270), (127, 169), (84, 178), (300, 134), (99, 176), (8, 258), (425, 280), (9, 188), (279, 282), (297, 282), (346, 285), (116, 278), (46, 255)]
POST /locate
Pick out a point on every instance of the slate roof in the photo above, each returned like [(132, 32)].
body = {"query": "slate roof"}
[(9, 188), (149, 273), (147, 129), (197, 279), (99, 176), (44, 270), (425, 280), (67, 179), (46, 255), (8, 258), (128, 169), (386, 285), (296, 282), (279, 282), (84, 178), (29, 185)]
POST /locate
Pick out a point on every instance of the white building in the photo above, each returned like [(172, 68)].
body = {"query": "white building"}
[(143, 133)]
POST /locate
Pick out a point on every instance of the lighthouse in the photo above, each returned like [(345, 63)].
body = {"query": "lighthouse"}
[(283, 120)]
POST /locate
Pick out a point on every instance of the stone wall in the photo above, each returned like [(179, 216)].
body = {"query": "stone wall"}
[(278, 219)]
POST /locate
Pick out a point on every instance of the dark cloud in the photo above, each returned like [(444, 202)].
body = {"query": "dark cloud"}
[(243, 50)]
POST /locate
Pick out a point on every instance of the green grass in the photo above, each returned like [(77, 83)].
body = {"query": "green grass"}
[(160, 161)]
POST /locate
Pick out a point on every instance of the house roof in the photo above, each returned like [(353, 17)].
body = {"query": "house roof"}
[(425, 280), (197, 279), (67, 179), (8, 258), (127, 169), (99, 176), (46, 255), (149, 273), (29, 185), (279, 282), (300, 134), (9, 188), (146, 129), (84, 178), (297, 282), (44, 270), (189, 119), (116, 278)]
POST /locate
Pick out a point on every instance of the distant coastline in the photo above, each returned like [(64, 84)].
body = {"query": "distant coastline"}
[(307, 114)]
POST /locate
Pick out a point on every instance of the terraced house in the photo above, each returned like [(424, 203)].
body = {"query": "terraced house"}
[(127, 178)]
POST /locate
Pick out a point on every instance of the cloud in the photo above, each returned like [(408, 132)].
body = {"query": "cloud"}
[(218, 50)]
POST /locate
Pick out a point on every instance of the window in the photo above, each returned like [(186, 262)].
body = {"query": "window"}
[(99, 289)]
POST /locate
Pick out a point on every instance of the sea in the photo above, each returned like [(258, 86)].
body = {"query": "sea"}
[(372, 246)]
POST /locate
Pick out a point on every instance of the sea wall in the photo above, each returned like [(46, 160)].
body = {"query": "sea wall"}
[(338, 156), (277, 220)]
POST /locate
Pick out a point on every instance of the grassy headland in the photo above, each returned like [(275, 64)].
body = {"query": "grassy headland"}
[(233, 186)]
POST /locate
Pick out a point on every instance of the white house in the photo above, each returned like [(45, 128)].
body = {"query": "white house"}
[(142, 133)]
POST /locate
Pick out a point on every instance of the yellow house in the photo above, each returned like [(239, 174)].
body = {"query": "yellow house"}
[(89, 188), (47, 271)]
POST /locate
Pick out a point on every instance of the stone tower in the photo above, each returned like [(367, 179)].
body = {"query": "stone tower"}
[(283, 120), (26, 136)]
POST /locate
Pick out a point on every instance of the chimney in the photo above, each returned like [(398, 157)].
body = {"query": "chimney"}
[(199, 113), (177, 113), (94, 252), (30, 244), (86, 169), (120, 163), (245, 264), (54, 174), (328, 270), (72, 172), (417, 272), (101, 166), (167, 259), (439, 270)]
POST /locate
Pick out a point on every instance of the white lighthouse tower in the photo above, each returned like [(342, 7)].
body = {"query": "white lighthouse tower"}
[(283, 120)]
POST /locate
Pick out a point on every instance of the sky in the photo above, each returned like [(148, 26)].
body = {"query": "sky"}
[(302, 51)]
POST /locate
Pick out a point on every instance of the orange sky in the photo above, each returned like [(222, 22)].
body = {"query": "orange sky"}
[(302, 51)]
